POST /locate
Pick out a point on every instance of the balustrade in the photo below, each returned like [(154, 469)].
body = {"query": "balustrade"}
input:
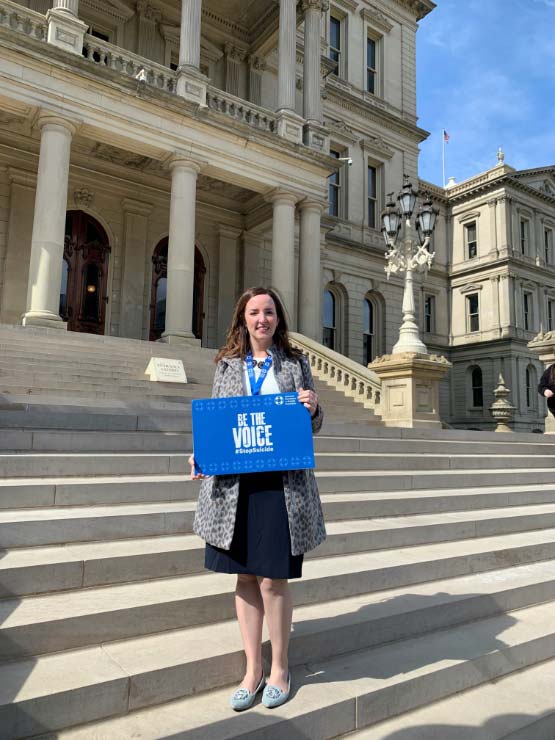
[(23, 20)]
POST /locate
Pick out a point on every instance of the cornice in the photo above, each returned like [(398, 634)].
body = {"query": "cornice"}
[(375, 111), (418, 8), (377, 144), (349, 5), (113, 8), (375, 17)]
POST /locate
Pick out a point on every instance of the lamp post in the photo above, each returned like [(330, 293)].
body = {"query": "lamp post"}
[(408, 252)]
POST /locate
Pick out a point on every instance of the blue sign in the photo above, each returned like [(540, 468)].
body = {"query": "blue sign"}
[(252, 434)]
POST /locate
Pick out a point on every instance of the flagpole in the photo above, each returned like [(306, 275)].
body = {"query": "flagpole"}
[(443, 153)]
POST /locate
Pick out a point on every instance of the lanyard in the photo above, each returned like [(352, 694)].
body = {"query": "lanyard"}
[(256, 385)]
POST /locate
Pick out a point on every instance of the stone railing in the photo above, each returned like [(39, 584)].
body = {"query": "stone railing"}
[(141, 69), (23, 20), (352, 379), (239, 109)]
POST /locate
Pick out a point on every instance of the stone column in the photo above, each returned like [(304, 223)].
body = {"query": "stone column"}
[(181, 252), (493, 227), (314, 133), (310, 277), (135, 230), (233, 59), (191, 84), (227, 280), (256, 67), (64, 27), (283, 250), (47, 242), (289, 124), (504, 235)]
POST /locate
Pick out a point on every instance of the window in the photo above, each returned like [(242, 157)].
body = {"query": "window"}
[(472, 313), (531, 383), (372, 197), (99, 34), (471, 240), (335, 44), (334, 186), (524, 235), (429, 314), (527, 310), (550, 314), (371, 65), (369, 332), (328, 338), (548, 245), (477, 388)]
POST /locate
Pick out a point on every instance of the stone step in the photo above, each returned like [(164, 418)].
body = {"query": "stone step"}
[(102, 418), (340, 695), (50, 441), (41, 569), (348, 467), (519, 706), (56, 386), (159, 668), (325, 443), (383, 480), (384, 461), (48, 623), (93, 382)]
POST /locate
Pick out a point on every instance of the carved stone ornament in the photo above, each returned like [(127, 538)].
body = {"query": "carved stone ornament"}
[(83, 197), (120, 156), (410, 356), (322, 5), (234, 53), (149, 12), (257, 62)]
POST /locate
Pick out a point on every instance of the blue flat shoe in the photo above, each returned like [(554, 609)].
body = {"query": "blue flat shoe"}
[(243, 699), (275, 697)]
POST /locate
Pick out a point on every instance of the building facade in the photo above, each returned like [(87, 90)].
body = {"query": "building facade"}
[(158, 156)]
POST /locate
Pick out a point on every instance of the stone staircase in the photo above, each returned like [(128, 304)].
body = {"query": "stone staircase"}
[(430, 605)]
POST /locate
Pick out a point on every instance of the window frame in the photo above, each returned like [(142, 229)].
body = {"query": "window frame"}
[(468, 242), (470, 315), (333, 328), (370, 165), (429, 316), (475, 387), (524, 236), (340, 18), (366, 301), (527, 310), (370, 37), (548, 244), (550, 314), (340, 185)]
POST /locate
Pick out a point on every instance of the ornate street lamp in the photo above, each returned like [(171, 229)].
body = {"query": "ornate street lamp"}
[(408, 254)]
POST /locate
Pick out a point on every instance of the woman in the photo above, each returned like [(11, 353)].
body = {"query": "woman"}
[(546, 387), (259, 525)]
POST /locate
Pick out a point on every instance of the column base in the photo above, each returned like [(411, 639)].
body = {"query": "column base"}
[(191, 85), (410, 388), (66, 31), (44, 319), (290, 126), (316, 137), (182, 338)]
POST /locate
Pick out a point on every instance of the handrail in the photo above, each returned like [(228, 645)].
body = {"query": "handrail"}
[(239, 109), (23, 20), (343, 374)]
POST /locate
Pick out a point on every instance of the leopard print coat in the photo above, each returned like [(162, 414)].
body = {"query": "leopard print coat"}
[(217, 503)]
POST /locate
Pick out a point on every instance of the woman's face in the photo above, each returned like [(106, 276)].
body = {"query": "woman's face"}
[(261, 319)]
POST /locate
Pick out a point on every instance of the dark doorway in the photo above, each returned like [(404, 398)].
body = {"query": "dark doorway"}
[(158, 291), (83, 292)]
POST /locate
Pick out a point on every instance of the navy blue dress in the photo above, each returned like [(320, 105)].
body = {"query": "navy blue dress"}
[(261, 544)]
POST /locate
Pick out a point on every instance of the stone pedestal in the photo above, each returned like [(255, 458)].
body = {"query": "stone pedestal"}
[(65, 30), (410, 388), (290, 126), (317, 137), (191, 85), (501, 409), (544, 345)]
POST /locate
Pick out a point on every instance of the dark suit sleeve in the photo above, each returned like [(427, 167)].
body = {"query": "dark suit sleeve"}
[(546, 381)]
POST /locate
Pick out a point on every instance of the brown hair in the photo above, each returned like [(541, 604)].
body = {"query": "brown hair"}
[(237, 342)]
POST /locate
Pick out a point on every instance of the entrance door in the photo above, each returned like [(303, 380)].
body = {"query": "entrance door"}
[(83, 293), (159, 291)]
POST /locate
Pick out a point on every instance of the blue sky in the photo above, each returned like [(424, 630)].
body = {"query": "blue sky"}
[(486, 73)]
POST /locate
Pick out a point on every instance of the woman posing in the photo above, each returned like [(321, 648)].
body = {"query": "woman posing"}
[(259, 525)]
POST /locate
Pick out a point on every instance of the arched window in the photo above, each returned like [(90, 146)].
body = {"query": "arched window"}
[(531, 383), (368, 331), (328, 320), (477, 388)]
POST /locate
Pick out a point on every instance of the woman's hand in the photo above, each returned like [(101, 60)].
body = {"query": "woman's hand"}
[(547, 393), (195, 476), (309, 399)]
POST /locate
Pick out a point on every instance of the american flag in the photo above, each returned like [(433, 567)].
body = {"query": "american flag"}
[(445, 136)]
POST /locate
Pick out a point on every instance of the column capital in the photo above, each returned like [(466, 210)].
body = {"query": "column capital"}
[(285, 196), (310, 203), (185, 162), (320, 5), (48, 118)]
